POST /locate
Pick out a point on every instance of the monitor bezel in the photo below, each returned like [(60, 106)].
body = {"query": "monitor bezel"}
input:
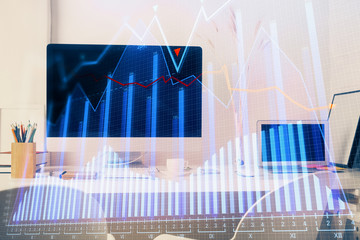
[(86, 148)]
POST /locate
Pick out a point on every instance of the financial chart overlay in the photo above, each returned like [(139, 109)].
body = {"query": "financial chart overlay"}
[(263, 62), (123, 91), (201, 206)]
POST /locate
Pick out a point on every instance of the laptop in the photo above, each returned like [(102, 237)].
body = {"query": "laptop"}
[(292, 146)]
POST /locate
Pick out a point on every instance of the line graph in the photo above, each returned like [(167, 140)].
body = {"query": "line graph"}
[(158, 79), (177, 68), (223, 70), (330, 106), (150, 84), (122, 109), (155, 19), (208, 17)]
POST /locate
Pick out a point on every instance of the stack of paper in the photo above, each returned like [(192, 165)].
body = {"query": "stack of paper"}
[(5, 162)]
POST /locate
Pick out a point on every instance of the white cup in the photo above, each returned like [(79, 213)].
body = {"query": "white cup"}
[(176, 166)]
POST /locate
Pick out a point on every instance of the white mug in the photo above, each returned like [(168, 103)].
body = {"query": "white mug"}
[(176, 165)]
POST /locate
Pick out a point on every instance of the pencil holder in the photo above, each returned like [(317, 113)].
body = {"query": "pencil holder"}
[(23, 160)]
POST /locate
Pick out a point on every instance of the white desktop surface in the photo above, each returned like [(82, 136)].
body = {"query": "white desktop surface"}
[(264, 181), (131, 180)]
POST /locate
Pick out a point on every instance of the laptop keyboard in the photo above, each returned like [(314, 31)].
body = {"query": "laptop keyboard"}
[(289, 169)]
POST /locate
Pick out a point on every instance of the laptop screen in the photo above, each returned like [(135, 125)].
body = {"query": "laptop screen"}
[(293, 142)]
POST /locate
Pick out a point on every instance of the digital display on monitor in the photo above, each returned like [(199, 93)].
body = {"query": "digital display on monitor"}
[(354, 157), (123, 91), (292, 142)]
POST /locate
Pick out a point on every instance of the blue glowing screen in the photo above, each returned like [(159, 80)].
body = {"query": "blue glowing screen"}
[(292, 142), (123, 91)]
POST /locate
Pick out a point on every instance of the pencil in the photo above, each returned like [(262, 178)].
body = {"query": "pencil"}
[(18, 132), (13, 131), (32, 135), (22, 133), (28, 133)]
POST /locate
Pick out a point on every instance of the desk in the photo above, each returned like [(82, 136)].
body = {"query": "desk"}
[(200, 206), (228, 180), (194, 180)]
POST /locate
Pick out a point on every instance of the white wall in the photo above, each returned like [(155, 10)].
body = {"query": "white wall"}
[(24, 27)]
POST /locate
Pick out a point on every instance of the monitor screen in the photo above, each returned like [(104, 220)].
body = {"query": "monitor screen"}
[(354, 157), (293, 142), (124, 91)]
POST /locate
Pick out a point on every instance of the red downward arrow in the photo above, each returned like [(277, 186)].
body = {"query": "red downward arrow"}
[(177, 51)]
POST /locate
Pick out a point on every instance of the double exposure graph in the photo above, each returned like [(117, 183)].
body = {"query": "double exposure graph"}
[(123, 91), (201, 207)]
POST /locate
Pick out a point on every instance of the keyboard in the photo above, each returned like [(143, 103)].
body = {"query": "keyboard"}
[(289, 169)]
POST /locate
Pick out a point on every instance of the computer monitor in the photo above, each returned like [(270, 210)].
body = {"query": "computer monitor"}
[(354, 156), (129, 97), (284, 143)]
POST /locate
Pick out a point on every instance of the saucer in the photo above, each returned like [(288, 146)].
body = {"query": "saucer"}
[(187, 171)]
